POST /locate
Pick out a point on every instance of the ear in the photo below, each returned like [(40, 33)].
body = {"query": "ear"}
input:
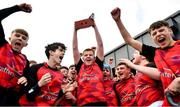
[(50, 52), (143, 57), (25, 44), (171, 31), (82, 58), (9, 38)]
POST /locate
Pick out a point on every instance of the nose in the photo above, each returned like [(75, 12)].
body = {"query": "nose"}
[(63, 52), (89, 56), (20, 38), (158, 33)]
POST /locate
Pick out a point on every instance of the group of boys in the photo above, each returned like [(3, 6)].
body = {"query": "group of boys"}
[(41, 84)]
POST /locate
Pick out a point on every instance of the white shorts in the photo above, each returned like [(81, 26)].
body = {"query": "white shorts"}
[(156, 104)]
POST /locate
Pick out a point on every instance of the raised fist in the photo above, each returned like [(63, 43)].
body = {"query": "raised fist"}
[(25, 7), (115, 13)]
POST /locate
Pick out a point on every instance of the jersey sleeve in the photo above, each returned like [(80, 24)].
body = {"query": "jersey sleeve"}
[(32, 88), (78, 66), (100, 63), (3, 14), (148, 52)]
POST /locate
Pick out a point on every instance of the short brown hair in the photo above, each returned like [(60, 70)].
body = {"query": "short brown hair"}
[(64, 67), (121, 63), (89, 49), (21, 31), (157, 25), (32, 61), (73, 65)]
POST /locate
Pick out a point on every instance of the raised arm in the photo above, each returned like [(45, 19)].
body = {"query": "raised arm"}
[(125, 34), (76, 53), (100, 47), (8, 11), (150, 71)]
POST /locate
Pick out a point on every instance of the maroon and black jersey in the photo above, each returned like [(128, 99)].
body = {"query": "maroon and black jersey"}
[(50, 91), (12, 65), (47, 94), (168, 63), (126, 92), (90, 83)]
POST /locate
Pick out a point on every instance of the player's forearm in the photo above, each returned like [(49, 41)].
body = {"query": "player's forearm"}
[(100, 47), (151, 72), (5, 13), (8, 11), (178, 84), (125, 34), (76, 53)]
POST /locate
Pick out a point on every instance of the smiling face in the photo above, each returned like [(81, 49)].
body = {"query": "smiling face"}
[(64, 71), (88, 57), (122, 71), (72, 72), (18, 41)]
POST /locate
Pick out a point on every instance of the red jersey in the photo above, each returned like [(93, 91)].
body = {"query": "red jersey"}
[(110, 93), (126, 91), (68, 102), (12, 65), (23, 101), (49, 92), (90, 85), (168, 63), (147, 90)]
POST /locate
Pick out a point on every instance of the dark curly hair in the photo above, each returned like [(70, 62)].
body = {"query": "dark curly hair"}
[(53, 47)]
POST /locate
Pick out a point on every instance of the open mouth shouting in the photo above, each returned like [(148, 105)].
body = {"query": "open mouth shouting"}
[(17, 45), (161, 39), (60, 59)]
